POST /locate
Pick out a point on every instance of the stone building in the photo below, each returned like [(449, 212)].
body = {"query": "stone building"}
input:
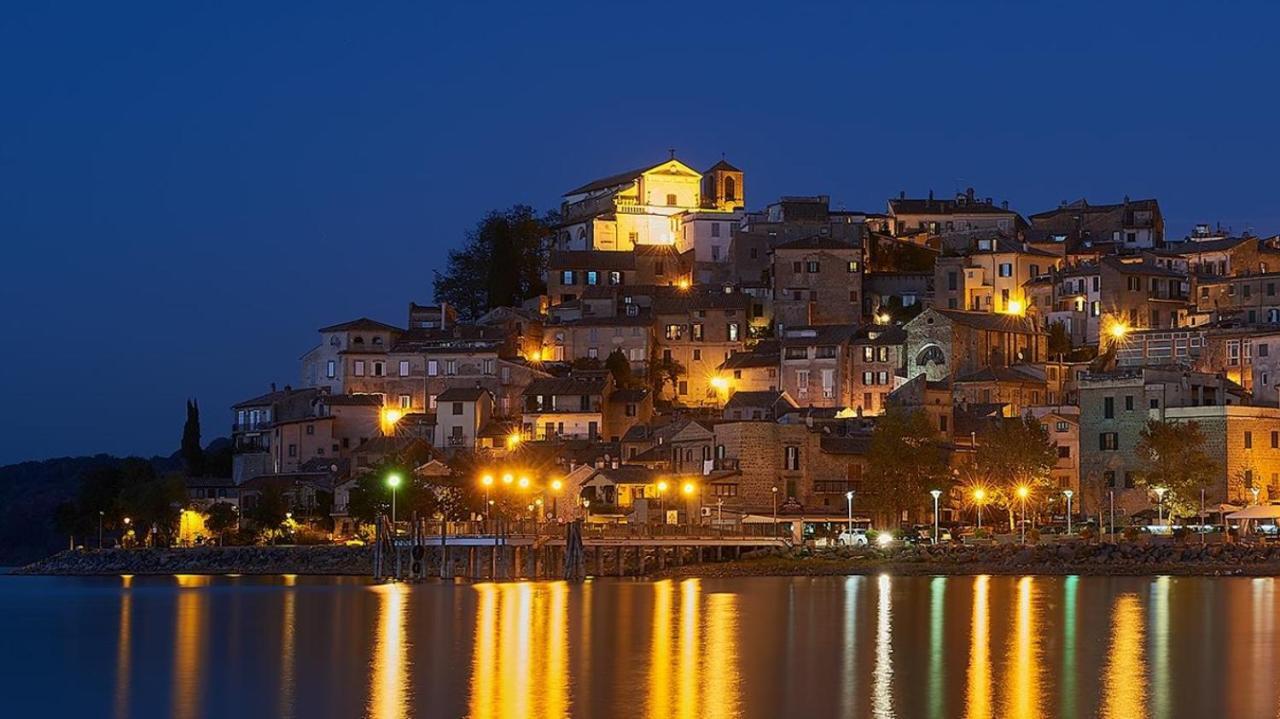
[(700, 330), (1138, 293), (817, 365), (1130, 225), (817, 281), (788, 219), (989, 276), (941, 343), (964, 214)]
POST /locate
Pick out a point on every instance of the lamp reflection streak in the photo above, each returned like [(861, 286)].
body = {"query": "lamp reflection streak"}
[(124, 648), (978, 691), (689, 646), (720, 685), (937, 668), (1124, 683), (389, 680), (287, 657), (660, 652), (484, 653), (1024, 702), (188, 660), (882, 676)]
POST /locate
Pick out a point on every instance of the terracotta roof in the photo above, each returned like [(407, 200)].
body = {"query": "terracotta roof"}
[(721, 165), (565, 386), (462, 394), (1143, 267), (363, 323), (621, 178), (763, 398), (911, 206), (351, 400), (986, 321), (816, 242), (591, 260)]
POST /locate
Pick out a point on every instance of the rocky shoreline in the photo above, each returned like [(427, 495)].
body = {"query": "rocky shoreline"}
[(319, 560), (1136, 558)]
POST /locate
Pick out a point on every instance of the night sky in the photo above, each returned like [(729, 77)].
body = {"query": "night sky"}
[(187, 193)]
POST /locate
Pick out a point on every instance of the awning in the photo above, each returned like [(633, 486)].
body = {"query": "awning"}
[(1260, 511)]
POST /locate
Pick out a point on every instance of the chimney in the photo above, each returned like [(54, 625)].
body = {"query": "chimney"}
[(902, 195), (1004, 205), (968, 194), (930, 194), (287, 388), (273, 386)]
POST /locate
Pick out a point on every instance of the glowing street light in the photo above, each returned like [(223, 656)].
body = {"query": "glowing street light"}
[(1118, 330), (774, 490), (1068, 494), (393, 481), (391, 415), (1023, 491), (1014, 307), (662, 499), (979, 495), (935, 493), (508, 478), (513, 439), (524, 483), (556, 486), (1255, 491), (720, 384), (849, 498)]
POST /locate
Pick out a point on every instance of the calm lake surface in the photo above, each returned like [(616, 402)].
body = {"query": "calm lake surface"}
[(190, 646)]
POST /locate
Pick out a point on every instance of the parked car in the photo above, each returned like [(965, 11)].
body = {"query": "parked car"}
[(854, 538)]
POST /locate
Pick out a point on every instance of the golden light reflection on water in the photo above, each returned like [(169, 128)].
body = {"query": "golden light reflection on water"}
[(690, 648), (882, 676), (124, 646), (520, 659), (190, 625), (1124, 683), (978, 690), (288, 659), (660, 652), (1024, 655), (389, 680)]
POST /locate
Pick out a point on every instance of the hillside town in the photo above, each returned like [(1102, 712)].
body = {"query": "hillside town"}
[(701, 359)]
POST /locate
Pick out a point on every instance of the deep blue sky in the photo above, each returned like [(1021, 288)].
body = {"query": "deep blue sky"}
[(187, 193)]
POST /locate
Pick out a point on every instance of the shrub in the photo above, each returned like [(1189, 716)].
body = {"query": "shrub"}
[(1131, 534)]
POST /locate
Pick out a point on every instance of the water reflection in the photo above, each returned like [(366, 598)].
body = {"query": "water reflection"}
[(1024, 675), (190, 625), (937, 667), (288, 659), (124, 642), (1070, 588), (520, 662), (720, 665), (389, 675), (1124, 690), (660, 652), (978, 689), (849, 654), (1160, 647), (882, 688)]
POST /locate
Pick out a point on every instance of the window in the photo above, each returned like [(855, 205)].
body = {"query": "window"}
[(733, 331), (1130, 480), (1263, 350), (1006, 269), (1061, 426), (671, 200), (1155, 403), (593, 277), (715, 229), (1108, 441), (791, 458), (431, 402), (457, 409), (451, 366), (1128, 403), (433, 368), (593, 353), (1275, 440), (724, 490), (311, 429), (696, 331), (1064, 451), (379, 369), (1109, 476), (825, 352), (852, 267), (631, 410), (406, 401), (675, 332), (293, 450), (404, 368), (331, 369), (359, 368), (568, 277), (1248, 440), (684, 387), (812, 267), (489, 365), (1109, 407), (730, 189)]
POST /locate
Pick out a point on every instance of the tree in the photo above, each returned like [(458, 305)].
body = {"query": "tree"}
[(220, 518), (905, 460), (192, 454), (620, 367), (271, 509), (502, 263), (663, 371), (1059, 340), (1013, 453), (1172, 456), (150, 500)]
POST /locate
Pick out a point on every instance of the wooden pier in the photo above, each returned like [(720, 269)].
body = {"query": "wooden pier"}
[(572, 554)]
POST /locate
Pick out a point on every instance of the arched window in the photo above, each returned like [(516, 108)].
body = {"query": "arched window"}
[(730, 190), (582, 235), (377, 340), (358, 341), (931, 354), (1273, 316), (335, 342)]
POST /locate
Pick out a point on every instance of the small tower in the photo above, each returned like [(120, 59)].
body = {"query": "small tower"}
[(722, 187)]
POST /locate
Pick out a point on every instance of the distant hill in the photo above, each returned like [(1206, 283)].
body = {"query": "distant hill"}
[(31, 491)]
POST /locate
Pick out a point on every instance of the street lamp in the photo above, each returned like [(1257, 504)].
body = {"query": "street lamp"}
[(556, 486), (1023, 491), (662, 500), (979, 494), (774, 490), (935, 493), (688, 490), (393, 481), (100, 516), (849, 497), (1160, 504), (1068, 494)]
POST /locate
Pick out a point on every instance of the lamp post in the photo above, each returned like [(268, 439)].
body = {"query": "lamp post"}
[(935, 493), (662, 501), (100, 515), (1022, 495), (688, 490), (556, 486), (979, 494), (487, 481), (127, 521), (774, 491), (1160, 505), (1202, 515), (1111, 500), (393, 481), (849, 497), (1068, 494), (720, 516)]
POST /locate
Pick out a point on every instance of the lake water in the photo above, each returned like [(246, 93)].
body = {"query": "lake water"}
[(190, 646)]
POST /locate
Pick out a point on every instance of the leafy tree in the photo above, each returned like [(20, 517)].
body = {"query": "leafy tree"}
[(1016, 452), (1059, 340), (1172, 456), (663, 371), (502, 263), (192, 454), (905, 460), (587, 363), (620, 367), (271, 510), (220, 518)]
